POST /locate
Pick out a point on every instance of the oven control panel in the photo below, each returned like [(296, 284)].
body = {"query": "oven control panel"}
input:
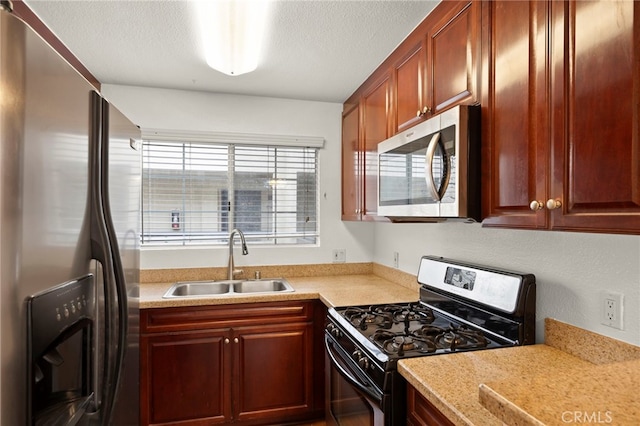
[(497, 289)]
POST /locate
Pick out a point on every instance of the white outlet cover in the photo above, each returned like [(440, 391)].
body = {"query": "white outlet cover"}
[(612, 308), (339, 255)]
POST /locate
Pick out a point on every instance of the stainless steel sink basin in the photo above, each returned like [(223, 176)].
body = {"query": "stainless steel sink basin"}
[(227, 288), (197, 288), (262, 286)]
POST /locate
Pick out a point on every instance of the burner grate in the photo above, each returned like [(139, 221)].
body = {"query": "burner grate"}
[(362, 318), (461, 337), (400, 343), (428, 339), (385, 316)]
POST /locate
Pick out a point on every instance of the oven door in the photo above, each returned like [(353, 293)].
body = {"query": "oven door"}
[(352, 399)]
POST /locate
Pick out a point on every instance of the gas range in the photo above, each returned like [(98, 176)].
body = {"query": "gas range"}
[(394, 331), (462, 307)]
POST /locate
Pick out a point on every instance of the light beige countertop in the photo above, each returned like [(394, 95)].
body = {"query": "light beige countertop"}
[(370, 284), (575, 377)]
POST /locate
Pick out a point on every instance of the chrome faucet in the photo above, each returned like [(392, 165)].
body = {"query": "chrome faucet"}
[(232, 271)]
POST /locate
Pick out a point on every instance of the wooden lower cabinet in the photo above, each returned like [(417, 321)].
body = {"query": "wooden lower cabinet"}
[(421, 412), (246, 364), (185, 377)]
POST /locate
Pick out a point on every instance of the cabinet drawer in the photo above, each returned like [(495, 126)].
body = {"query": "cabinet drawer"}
[(206, 317)]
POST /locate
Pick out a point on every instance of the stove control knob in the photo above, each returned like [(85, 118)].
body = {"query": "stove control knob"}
[(334, 331), (363, 363), (362, 360)]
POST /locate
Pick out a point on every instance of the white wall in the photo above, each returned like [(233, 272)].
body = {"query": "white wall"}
[(197, 111), (571, 269)]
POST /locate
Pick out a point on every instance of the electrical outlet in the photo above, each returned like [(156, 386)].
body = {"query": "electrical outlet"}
[(339, 255), (612, 309), (395, 259)]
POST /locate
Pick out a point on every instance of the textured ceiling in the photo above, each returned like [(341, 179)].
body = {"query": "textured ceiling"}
[(315, 50)]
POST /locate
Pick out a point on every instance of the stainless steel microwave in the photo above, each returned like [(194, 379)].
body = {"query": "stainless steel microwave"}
[(432, 171)]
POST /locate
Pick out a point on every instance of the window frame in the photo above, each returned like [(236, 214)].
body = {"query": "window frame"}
[(232, 142)]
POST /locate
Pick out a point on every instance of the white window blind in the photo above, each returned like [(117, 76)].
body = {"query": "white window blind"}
[(196, 193)]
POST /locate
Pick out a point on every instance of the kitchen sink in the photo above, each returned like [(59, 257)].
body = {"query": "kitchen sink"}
[(227, 288)]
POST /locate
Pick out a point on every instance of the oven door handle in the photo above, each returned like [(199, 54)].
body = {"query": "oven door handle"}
[(363, 384)]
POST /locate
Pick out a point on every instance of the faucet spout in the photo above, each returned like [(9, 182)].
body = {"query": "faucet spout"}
[(231, 268)]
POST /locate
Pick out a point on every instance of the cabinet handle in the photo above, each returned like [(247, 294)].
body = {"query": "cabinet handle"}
[(553, 204), (226, 341), (536, 205), (235, 340), (423, 111)]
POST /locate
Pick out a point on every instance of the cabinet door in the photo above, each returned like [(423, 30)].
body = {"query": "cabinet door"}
[(409, 84), (515, 116), (595, 84), (422, 412), (275, 372), (350, 164), (376, 128), (452, 52), (184, 378)]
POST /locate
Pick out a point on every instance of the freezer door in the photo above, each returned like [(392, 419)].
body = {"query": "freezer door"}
[(43, 190)]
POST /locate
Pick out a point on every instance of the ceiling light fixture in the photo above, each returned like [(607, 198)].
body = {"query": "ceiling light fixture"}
[(232, 33)]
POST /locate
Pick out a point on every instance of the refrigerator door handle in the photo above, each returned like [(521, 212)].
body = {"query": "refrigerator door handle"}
[(102, 249), (121, 310)]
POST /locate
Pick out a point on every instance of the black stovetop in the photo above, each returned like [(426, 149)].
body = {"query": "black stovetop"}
[(414, 329)]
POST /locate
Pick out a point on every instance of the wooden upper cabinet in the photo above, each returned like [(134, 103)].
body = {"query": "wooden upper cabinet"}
[(515, 113), (350, 162), (410, 87), (453, 48), (436, 67), (560, 115), (375, 106), (366, 121), (595, 90)]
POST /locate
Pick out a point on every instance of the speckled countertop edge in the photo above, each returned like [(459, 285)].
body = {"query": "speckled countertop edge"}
[(454, 387), (604, 393), (600, 388)]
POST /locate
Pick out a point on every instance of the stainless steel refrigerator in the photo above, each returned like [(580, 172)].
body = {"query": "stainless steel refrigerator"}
[(69, 250)]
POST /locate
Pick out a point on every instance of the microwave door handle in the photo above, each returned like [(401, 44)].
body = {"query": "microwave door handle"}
[(428, 167)]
